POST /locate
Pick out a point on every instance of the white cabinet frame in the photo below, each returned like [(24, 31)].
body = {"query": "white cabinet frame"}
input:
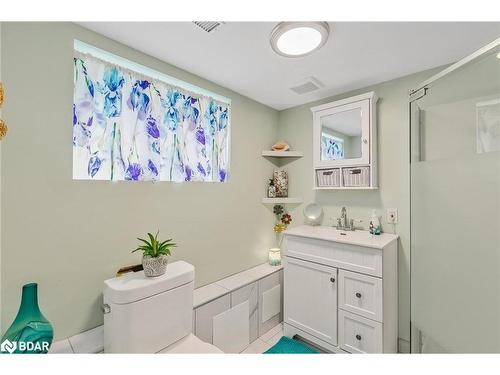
[(367, 103)]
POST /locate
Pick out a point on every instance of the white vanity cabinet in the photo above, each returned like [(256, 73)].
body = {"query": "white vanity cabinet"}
[(340, 289)]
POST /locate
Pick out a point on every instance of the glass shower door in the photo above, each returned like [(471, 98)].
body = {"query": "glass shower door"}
[(455, 209)]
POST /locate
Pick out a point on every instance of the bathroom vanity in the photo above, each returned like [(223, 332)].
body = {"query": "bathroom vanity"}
[(340, 289)]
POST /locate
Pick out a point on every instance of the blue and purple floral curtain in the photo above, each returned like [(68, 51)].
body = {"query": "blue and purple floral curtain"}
[(130, 127)]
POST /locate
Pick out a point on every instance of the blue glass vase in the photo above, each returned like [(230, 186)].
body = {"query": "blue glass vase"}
[(30, 332)]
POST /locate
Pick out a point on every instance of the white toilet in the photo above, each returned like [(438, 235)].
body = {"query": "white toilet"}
[(152, 315)]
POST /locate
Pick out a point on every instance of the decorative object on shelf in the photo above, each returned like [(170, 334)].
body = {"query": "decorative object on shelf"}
[(278, 209), (275, 256), (313, 213), (3, 129), (375, 227), (1, 94), (271, 189), (281, 183), (286, 219), (155, 255), (283, 219), (280, 146), (30, 332), (3, 125)]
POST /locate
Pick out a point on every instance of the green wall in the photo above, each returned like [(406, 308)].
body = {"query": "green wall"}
[(69, 235)]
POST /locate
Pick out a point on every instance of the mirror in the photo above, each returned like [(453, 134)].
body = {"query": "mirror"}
[(341, 135)]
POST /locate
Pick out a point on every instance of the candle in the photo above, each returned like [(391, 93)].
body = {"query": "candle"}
[(275, 256)]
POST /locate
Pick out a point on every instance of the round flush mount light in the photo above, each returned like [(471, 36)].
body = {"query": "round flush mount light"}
[(296, 39)]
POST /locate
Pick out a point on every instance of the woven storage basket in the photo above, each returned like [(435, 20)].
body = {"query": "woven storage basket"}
[(328, 177), (356, 177)]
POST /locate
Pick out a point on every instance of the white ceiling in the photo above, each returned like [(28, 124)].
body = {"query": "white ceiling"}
[(358, 54)]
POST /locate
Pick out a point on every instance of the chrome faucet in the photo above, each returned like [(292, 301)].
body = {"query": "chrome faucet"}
[(343, 223)]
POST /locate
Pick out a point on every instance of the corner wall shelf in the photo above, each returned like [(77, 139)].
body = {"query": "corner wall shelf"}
[(283, 154), (282, 200)]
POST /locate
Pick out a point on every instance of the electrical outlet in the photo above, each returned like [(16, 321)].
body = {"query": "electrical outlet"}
[(392, 215)]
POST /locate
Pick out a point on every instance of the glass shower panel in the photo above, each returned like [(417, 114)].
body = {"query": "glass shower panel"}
[(455, 211)]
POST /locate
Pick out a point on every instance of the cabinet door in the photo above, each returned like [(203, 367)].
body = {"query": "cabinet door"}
[(231, 329), (310, 294), (205, 316), (342, 135)]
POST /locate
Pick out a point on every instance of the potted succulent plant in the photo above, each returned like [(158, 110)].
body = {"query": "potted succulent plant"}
[(154, 255)]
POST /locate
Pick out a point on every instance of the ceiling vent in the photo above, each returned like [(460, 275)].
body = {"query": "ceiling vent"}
[(208, 26), (308, 85)]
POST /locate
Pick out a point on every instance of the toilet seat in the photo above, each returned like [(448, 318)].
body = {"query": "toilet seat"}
[(191, 345)]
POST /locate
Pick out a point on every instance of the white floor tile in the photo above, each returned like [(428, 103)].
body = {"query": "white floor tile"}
[(61, 347), (273, 340), (256, 347), (91, 341), (272, 332)]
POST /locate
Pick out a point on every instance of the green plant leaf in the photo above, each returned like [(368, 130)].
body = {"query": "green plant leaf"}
[(153, 247), (143, 240)]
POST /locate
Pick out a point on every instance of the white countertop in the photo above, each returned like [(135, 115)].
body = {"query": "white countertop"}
[(357, 237)]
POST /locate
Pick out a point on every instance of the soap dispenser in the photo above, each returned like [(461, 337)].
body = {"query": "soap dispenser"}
[(375, 227)]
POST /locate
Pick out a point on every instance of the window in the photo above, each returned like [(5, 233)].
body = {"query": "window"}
[(332, 148), (133, 123)]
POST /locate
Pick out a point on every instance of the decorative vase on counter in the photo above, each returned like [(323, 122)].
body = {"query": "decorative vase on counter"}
[(30, 332)]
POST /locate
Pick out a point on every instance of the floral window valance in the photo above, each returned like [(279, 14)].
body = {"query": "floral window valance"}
[(130, 127)]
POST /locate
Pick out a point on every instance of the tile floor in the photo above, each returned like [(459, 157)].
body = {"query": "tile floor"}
[(266, 341), (91, 342)]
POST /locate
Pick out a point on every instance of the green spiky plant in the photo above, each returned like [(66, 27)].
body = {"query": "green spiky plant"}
[(153, 247)]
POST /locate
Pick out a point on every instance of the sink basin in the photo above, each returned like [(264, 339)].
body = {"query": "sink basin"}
[(357, 237)]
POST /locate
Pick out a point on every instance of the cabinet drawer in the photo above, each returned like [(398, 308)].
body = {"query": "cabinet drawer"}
[(358, 334), (335, 254), (361, 294)]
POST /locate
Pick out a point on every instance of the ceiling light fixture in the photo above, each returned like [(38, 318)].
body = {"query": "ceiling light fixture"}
[(296, 39)]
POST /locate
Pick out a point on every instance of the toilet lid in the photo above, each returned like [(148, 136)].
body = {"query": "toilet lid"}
[(134, 286)]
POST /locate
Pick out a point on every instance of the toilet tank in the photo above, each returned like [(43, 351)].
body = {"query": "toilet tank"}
[(147, 314)]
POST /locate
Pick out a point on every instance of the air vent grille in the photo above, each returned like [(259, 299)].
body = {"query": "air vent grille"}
[(309, 85), (208, 26)]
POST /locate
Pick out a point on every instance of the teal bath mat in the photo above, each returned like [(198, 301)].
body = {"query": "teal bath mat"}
[(289, 346)]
